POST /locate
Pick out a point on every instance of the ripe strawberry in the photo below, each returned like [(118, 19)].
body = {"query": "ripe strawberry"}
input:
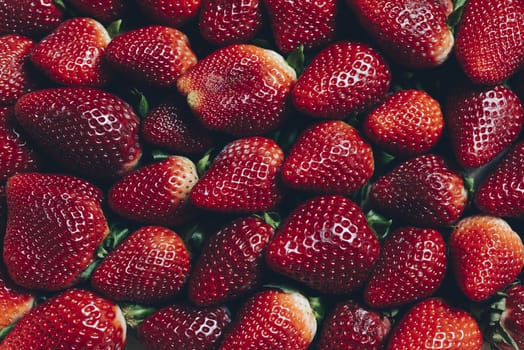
[(240, 89), (54, 225), (351, 326), (433, 324), (75, 319), (155, 55), (512, 319), (302, 22), (172, 13), (329, 157), (231, 263), (482, 122), (272, 319), (149, 267), (502, 192), (486, 255), (183, 327), (242, 178), (446, 6), (3, 210), (29, 17), (421, 191), (87, 131), (72, 53), (490, 40), (411, 266), (343, 78), (325, 243), (104, 11), (407, 123), (15, 303)]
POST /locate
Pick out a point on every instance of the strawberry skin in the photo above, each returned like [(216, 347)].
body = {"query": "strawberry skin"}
[(86, 130), (512, 319), (407, 123), (104, 11), (486, 255), (241, 90), (15, 303), (343, 78), (329, 157), (325, 243), (3, 210), (172, 13), (29, 17)]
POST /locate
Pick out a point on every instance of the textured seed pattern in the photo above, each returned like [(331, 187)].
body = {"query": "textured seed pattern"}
[(173, 13), (29, 17), (15, 303), (512, 319), (101, 10)]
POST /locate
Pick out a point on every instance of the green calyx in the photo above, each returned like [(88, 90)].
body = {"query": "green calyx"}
[(136, 314), (379, 224), (296, 59), (114, 28), (271, 218), (204, 163)]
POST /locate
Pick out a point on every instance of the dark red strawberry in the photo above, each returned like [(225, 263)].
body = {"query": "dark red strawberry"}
[(72, 53), (155, 55), (482, 122), (447, 6), (242, 178), (3, 210), (88, 131), (15, 302), (490, 40), (330, 157), (183, 327), (325, 243), (173, 13), (75, 319), (422, 191), (511, 320), (29, 17), (486, 255), (407, 123), (240, 89), (54, 225), (302, 22), (102, 10), (343, 78), (351, 326)]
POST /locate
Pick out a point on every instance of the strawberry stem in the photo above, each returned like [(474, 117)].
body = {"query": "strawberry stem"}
[(159, 155), (136, 314), (296, 59), (379, 224), (271, 218)]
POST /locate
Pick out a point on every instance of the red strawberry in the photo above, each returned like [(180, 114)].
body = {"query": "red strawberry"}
[(54, 225), (302, 22), (182, 327), (156, 55), (76, 319), (29, 17), (86, 130), (272, 319), (173, 13), (242, 178), (240, 89), (330, 157), (433, 324), (421, 191), (325, 243), (15, 303), (149, 267), (101, 10), (482, 123), (343, 78), (411, 266), (3, 210), (72, 53), (414, 33), (351, 326), (407, 123), (512, 319), (225, 22), (232, 262), (446, 6), (502, 193), (490, 40), (486, 255)]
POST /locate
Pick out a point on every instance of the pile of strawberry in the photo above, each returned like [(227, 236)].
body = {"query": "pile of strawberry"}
[(167, 175)]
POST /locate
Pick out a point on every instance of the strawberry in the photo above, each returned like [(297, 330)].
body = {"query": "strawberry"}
[(104, 11), (149, 267), (302, 22), (343, 78), (87, 131), (15, 302), (155, 55), (272, 319), (29, 17), (411, 266), (490, 40), (512, 319), (351, 326), (434, 324), (421, 191), (75, 319), (486, 255), (325, 243), (183, 327), (502, 192), (407, 123), (231, 263), (72, 53), (240, 89), (3, 210), (242, 178), (482, 122), (54, 225), (446, 6), (173, 13), (329, 157)]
